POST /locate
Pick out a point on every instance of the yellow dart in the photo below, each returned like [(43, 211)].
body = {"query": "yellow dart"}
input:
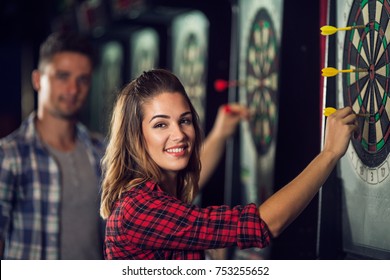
[(329, 30), (331, 71), (330, 110)]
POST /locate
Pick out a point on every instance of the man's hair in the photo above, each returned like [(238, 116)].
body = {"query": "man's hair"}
[(65, 42)]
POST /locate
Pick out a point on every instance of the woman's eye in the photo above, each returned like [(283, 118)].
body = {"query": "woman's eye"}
[(186, 121), (159, 125)]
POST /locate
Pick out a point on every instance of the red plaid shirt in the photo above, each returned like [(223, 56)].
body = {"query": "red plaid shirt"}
[(147, 223)]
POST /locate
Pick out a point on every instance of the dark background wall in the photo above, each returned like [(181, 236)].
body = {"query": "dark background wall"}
[(24, 24)]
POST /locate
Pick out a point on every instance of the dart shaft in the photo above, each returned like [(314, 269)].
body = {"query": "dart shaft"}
[(351, 27), (353, 70), (344, 28), (358, 26), (364, 115)]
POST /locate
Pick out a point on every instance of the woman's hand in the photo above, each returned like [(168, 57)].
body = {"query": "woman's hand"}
[(339, 127), (228, 117)]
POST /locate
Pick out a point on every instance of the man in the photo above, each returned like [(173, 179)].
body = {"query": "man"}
[(50, 166)]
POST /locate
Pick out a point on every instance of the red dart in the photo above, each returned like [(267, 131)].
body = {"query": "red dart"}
[(227, 109), (220, 85)]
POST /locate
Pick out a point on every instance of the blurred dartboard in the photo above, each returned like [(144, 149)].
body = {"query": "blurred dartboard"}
[(260, 31), (144, 51), (189, 49), (192, 72), (262, 80)]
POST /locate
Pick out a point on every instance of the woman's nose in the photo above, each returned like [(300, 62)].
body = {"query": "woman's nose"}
[(178, 133)]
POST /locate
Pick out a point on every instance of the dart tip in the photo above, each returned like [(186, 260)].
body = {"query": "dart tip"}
[(227, 109)]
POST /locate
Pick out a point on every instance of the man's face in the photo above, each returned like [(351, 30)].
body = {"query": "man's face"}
[(63, 84)]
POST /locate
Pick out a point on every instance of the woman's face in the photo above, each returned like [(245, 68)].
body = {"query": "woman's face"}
[(168, 131)]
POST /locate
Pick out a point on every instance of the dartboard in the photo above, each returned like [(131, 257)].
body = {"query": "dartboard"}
[(368, 91), (262, 80), (260, 30), (191, 72), (365, 169)]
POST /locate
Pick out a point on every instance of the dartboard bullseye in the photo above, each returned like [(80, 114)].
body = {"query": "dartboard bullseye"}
[(262, 80), (368, 92)]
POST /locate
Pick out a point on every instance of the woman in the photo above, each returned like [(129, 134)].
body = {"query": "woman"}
[(151, 174)]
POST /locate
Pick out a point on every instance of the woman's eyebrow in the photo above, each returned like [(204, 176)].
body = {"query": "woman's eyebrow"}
[(159, 116), (167, 117)]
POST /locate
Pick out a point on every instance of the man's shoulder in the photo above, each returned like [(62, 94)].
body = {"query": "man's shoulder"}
[(14, 147), (23, 135), (97, 137), (15, 138)]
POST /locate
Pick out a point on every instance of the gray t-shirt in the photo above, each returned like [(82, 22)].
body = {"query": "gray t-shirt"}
[(80, 237)]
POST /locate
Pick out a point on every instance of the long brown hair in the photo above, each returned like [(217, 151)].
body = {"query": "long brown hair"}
[(126, 162)]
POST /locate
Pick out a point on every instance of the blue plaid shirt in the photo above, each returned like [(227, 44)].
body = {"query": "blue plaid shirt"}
[(30, 192)]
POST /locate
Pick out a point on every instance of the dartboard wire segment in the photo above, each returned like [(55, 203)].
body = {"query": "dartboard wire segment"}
[(368, 92), (262, 80)]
